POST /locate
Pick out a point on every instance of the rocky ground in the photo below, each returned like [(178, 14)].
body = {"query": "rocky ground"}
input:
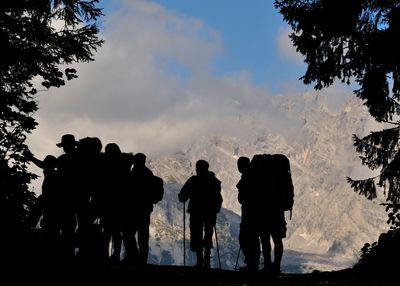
[(181, 275)]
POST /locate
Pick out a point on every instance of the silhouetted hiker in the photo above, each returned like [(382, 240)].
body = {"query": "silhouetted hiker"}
[(248, 236), (49, 180), (67, 170), (146, 192), (203, 191), (116, 184), (87, 201), (265, 183), (48, 208), (125, 215), (129, 213)]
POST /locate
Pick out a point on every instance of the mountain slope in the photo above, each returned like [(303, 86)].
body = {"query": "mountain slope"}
[(330, 222)]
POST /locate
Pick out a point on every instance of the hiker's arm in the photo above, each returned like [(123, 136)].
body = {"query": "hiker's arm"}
[(185, 192), (35, 160)]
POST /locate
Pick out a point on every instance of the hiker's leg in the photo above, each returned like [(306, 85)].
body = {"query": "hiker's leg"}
[(143, 238), (252, 259), (278, 233), (209, 225), (207, 257), (252, 248), (199, 259), (117, 243), (278, 253), (196, 238), (266, 248), (244, 240), (131, 250)]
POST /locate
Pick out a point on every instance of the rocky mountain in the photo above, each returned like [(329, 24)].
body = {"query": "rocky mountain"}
[(330, 222)]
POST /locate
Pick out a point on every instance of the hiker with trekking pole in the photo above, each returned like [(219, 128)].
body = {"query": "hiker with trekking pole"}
[(203, 191), (265, 193), (249, 243)]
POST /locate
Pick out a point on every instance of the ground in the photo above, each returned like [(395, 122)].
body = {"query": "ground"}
[(181, 275)]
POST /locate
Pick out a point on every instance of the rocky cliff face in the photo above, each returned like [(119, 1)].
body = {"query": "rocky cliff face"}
[(330, 222)]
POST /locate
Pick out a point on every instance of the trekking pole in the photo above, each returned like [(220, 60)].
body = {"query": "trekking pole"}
[(216, 242), (237, 258), (184, 235)]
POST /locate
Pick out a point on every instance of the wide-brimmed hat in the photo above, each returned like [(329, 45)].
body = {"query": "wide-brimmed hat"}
[(67, 139)]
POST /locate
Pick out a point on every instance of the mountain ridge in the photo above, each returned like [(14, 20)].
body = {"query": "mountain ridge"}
[(330, 221)]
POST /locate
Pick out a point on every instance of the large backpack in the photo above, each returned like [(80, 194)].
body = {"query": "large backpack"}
[(157, 189), (283, 180), (271, 176)]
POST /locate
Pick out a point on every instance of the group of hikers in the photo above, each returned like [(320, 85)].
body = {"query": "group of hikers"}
[(87, 203), (92, 199)]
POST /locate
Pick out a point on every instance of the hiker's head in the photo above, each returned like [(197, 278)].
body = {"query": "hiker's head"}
[(68, 143), (96, 144), (202, 166), (90, 146), (50, 162), (243, 164), (112, 149), (139, 159)]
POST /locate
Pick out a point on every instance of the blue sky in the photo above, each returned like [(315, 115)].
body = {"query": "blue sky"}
[(249, 32)]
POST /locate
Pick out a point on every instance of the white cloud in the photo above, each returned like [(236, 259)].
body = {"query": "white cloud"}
[(149, 81), (150, 88)]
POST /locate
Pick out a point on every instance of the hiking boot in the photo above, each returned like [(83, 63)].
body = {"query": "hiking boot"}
[(271, 270), (114, 260), (276, 269), (249, 268), (126, 262)]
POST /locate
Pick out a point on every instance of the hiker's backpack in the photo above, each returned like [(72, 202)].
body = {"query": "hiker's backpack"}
[(283, 179), (272, 181), (157, 189)]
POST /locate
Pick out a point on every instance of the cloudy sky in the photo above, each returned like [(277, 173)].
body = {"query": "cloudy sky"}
[(170, 71)]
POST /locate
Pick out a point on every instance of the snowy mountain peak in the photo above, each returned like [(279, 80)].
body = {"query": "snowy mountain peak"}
[(330, 222)]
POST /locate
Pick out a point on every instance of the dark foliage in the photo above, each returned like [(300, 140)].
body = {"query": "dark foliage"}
[(378, 260), (357, 41), (349, 40), (37, 38)]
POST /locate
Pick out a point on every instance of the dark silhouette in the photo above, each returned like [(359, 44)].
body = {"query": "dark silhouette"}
[(49, 185), (88, 191), (203, 191), (23, 58), (147, 190), (379, 258), (265, 191), (116, 175), (49, 210), (67, 169), (248, 236), (370, 62)]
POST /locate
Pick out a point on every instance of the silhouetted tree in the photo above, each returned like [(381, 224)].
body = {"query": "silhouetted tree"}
[(37, 38), (356, 41)]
